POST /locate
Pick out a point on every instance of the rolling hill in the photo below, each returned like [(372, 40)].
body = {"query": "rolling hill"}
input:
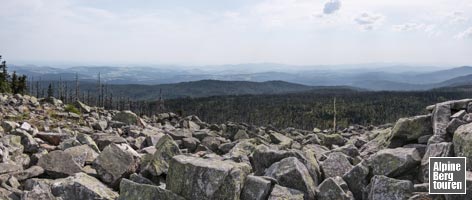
[(203, 88), (142, 80)]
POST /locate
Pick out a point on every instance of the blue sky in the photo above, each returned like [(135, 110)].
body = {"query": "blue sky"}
[(211, 32)]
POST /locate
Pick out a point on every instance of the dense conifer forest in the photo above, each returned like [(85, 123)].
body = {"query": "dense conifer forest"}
[(309, 110), (305, 109)]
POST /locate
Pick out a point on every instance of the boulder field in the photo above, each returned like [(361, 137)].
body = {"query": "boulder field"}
[(49, 153)]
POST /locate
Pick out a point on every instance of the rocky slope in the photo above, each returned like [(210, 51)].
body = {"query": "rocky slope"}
[(49, 153)]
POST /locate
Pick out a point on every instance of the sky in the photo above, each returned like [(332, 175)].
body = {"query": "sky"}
[(216, 32)]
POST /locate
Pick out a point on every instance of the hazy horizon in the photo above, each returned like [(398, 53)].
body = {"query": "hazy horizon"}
[(188, 33)]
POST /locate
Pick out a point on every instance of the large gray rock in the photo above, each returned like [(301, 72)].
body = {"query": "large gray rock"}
[(179, 134), (8, 126), (134, 191), (264, 156), (312, 165), (82, 107), (357, 180), (256, 188), (103, 140), (453, 125), (82, 186), (100, 125), (38, 192), (280, 139), (290, 172), (31, 146), (8, 195), (318, 150), (441, 117), (197, 178), (408, 130), (377, 143), (126, 117), (59, 164), (336, 164), (332, 139), (190, 143), (443, 149), (334, 189), (115, 163), (158, 164), (348, 149), (463, 143), (86, 139), (82, 154), (394, 162), (241, 149), (53, 138), (282, 193), (385, 188)]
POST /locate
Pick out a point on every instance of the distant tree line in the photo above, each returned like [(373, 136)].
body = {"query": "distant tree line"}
[(309, 110), (11, 83), (101, 95), (304, 110)]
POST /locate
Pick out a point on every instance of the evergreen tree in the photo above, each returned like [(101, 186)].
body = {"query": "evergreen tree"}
[(4, 78), (22, 84), (14, 83), (50, 91)]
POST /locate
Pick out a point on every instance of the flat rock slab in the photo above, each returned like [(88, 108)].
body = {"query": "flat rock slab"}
[(82, 186), (394, 162), (59, 164), (198, 178), (408, 130), (53, 138), (130, 190)]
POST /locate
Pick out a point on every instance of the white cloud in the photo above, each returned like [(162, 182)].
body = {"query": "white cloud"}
[(408, 27), (467, 34), (369, 21), (241, 31), (457, 17), (429, 29), (331, 6)]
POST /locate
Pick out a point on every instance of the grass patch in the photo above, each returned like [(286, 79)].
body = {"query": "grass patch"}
[(71, 108)]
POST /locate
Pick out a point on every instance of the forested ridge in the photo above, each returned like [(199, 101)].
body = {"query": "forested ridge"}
[(309, 110)]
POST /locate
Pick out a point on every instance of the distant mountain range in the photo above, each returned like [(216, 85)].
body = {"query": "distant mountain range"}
[(145, 82), (204, 88)]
